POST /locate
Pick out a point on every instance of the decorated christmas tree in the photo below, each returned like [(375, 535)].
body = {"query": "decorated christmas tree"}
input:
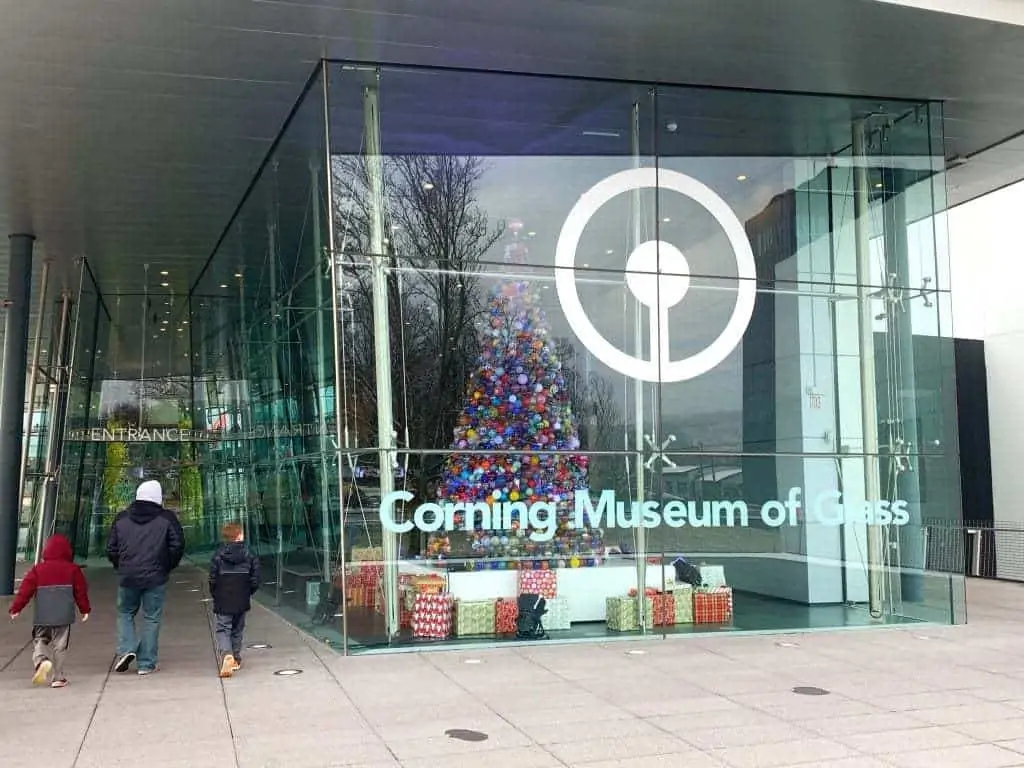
[(517, 400)]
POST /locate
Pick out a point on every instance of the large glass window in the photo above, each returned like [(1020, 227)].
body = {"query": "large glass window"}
[(619, 331)]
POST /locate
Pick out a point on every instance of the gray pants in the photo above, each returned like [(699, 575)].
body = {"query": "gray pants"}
[(51, 643), (229, 630)]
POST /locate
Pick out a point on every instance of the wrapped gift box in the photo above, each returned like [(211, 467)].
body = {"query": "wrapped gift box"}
[(712, 606), (361, 595), (622, 613), (682, 596), (432, 616), (428, 584), (505, 615), (712, 576), (557, 616), (543, 583), (474, 617), (663, 609), (367, 554), (365, 573)]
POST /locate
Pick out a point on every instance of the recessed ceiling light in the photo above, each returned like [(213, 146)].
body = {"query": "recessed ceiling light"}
[(164, 272), (585, 266), (666, 220), (531, 234), (165, 322), (162, 330), (164, 285), (741, 177), (223, 285), (610, 251), (428, 185), (238, 274), (878, 185)]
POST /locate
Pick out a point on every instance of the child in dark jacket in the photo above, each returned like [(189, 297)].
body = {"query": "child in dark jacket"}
[(234, 578), (58, 586)]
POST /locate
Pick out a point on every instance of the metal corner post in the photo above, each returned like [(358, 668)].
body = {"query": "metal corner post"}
[(869, 396), (33, 373), (382, 344), (57, 415), (637, 238), (12, 403), (339, 417)]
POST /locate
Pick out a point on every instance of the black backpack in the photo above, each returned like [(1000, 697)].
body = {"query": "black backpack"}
[(529, 625), (687, 572)]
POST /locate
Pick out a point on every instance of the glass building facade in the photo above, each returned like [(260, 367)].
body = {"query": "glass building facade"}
[(473, 335)]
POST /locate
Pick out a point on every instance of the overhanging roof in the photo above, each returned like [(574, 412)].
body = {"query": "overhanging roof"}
[(130, 128)]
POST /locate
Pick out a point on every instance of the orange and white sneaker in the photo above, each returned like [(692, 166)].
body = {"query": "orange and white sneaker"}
[(227, 666), (237, 665)]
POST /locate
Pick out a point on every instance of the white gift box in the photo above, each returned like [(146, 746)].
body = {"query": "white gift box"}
[(713, 576), (557, 616)]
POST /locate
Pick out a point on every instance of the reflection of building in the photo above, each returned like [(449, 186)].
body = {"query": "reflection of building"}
[(317, 359)]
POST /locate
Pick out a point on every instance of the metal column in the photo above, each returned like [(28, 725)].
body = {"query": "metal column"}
[(904, 447), (33, 373), (276, 396), (12, 403), (55, 428), (382, 345), (640, 533), (322, 376), (340, 431), (869, 405)]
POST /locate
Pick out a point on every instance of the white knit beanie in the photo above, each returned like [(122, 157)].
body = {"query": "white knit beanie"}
[(150, 491)]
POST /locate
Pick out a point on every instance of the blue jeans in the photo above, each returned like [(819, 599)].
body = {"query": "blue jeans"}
[(147, 644)]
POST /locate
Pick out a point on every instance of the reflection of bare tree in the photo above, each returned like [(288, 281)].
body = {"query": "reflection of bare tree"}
[(437, 236), (594, 406)]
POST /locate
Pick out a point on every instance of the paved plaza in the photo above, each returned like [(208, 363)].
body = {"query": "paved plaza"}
[(920, 696)]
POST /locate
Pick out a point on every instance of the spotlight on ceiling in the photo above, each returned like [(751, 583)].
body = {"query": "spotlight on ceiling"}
[(741, 177)]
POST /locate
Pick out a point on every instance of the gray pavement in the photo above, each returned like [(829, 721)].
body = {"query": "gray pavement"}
[(920, 696)]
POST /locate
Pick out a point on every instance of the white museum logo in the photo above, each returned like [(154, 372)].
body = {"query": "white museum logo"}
[(657, 274)]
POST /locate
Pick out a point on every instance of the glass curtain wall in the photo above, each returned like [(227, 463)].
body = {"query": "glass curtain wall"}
[(600, 341), (674, 359), (264, 370)]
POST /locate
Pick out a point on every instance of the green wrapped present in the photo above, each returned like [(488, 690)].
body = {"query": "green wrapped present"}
[(474, 617), (683, 595), (622, 613)]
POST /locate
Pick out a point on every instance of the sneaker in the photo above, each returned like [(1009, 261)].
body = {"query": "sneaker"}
[(148, 671), (59, 684), (124, 662), (238, 664), (227, 666), (43, 671)]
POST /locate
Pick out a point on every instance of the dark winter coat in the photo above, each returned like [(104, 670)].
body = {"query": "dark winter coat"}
[(146, 543), (57, 585), (234, 578)]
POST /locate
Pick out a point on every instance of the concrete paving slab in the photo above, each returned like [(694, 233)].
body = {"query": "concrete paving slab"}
[(921, 695)]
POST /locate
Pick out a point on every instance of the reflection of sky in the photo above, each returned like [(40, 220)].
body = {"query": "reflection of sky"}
[(540, 192)]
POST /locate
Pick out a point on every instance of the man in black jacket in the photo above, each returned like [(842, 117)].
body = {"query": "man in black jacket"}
[(145, 544)]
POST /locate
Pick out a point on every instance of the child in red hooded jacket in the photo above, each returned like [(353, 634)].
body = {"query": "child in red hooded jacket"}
[(58, 586)]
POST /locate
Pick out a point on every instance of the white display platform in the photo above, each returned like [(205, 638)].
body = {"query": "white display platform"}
[(586, 588)]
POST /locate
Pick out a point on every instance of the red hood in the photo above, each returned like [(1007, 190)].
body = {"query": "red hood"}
[(57, 548)]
